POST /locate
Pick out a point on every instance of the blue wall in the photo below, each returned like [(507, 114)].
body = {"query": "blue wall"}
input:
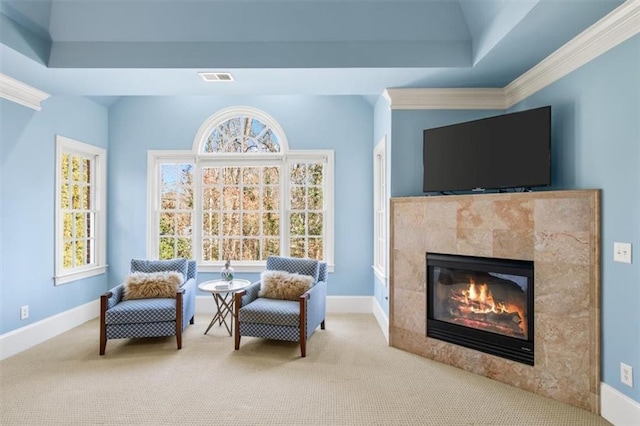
[(28, 199), (344, 124)]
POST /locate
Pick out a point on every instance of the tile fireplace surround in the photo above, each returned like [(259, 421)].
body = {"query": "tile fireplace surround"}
[(559, 231)]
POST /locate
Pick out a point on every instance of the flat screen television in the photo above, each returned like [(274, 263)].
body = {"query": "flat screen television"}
[(503, 152)]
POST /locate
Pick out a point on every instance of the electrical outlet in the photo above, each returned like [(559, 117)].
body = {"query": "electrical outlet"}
[(24, 312), (622, 252), (626, 374)]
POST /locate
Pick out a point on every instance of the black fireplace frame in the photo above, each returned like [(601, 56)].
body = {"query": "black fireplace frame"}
[(496, 344)]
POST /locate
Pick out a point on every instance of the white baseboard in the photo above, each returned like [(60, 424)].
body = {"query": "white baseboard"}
[(618, 408), (381, 317), (28, 336)]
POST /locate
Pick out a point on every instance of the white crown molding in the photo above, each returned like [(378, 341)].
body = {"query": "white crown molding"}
[(475, 98), (21, 93), (619, 25)]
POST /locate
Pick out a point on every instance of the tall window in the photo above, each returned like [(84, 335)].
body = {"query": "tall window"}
[(380, 249), (240, 195), (80, 210)]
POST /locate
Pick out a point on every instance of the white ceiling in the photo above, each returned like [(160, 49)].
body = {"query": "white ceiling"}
[(112, 48)]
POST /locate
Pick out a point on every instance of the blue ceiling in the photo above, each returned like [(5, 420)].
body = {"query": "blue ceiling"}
[(112, 48)]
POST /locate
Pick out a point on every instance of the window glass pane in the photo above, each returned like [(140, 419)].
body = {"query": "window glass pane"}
[(270, 141), (298, 247), (211, 198), (167, 248), (67, 226), (298, 198), (211, 175), (65, 196), (250, 198), (230, 249), (210, 224), (315, 223), (79, 261), (168, 174), (271, 175), (315, 174), (168, 198), (75, 168), (271, 247), (230, 198), (167, 224), (90, 244), (316, 248), (250, 224), (184, 223), (185, 197), (271, 224), (315, 198), (210, 249), (86, 170), (251, 175), (270, 201), (231, 224), (89, 220), (67, 256), (251, 249), (86, 197), (80, 230), (298, 174), (184, 248), (64, 169), (298, 225), (231, 175), (76, 194)]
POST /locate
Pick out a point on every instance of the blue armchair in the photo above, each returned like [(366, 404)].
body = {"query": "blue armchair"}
[(276, 319), (152, 317)]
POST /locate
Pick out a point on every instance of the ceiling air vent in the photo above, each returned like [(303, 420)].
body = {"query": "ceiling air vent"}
[(216, 76)]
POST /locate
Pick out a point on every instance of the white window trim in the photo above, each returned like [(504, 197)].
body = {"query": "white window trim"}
[(154, 159), (380, 203), (200, 159), (62, 276)]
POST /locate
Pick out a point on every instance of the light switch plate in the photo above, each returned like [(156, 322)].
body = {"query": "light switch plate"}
[(622, 252)]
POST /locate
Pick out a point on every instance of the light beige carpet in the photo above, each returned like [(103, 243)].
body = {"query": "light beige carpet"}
[(349, 377)]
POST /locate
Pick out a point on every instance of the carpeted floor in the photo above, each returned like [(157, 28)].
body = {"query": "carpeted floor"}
[(349, 377)]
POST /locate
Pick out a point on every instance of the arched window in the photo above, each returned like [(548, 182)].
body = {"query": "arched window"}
[(240, 195)]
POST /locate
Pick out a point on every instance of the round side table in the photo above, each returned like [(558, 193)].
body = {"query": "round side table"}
[(222, 292)]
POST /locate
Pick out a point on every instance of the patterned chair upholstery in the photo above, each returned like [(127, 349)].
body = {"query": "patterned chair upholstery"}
[(149, 317), (288, 320)]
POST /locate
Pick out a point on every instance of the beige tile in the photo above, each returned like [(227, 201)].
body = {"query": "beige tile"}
[(513, 243)]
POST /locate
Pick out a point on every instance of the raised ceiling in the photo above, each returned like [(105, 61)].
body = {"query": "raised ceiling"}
[(112, 48)]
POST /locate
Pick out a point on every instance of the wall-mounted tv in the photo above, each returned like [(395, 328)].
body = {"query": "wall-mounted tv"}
[(503, 152)]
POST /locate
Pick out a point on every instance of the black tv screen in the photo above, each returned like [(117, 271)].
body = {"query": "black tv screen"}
[(508, 151)]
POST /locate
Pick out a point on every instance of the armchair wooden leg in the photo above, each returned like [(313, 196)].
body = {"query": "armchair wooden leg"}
[(237, 302), (303, 326), (322, 325), (192, 321), (103, 324), (179, 319)]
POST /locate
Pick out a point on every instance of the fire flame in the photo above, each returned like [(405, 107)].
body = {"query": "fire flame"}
[(478, 299), (484, 302)]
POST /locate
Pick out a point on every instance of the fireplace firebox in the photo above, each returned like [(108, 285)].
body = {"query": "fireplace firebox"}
[(482, 303)]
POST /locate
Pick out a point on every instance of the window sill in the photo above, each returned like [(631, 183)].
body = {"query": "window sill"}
[(75, 276)]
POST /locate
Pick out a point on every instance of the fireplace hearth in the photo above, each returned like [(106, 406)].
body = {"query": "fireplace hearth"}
[(482, 303)]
